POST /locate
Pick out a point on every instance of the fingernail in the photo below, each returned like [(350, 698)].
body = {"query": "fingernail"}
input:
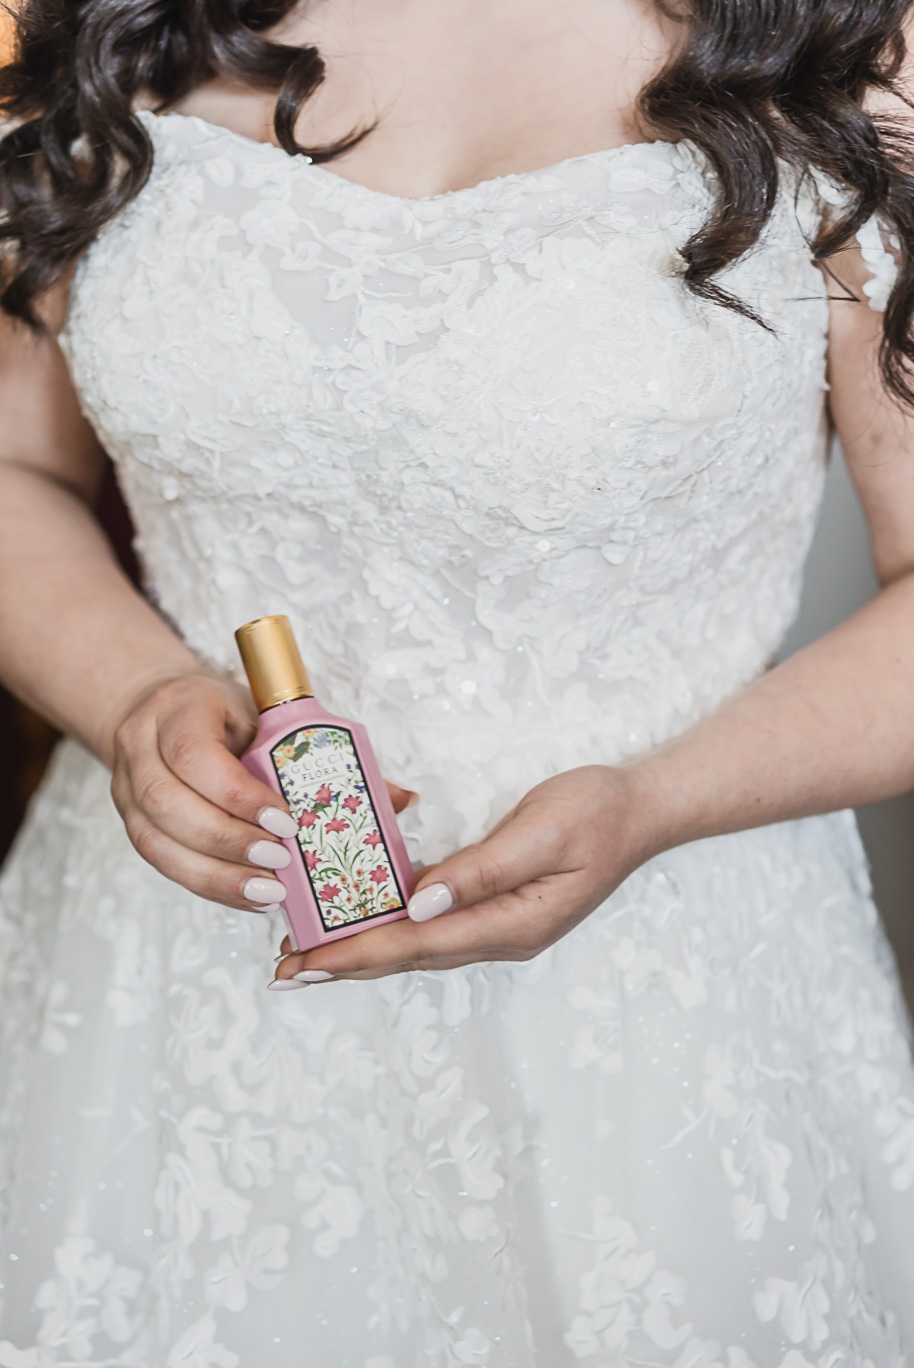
[(277, 823), (413, 798), (270, 854), (312, 976), (430, 902), (269, 907), (282, 985), (264, 891)]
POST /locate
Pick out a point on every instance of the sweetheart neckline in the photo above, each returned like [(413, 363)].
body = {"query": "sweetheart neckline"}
[(445, 196)]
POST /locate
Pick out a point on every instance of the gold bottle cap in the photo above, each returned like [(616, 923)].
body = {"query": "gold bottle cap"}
[(272, 662)]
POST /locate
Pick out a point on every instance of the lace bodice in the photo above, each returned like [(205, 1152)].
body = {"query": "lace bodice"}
[(515, 486)]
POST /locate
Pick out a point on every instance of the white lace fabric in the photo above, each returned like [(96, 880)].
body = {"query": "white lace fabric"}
[(529, 505)]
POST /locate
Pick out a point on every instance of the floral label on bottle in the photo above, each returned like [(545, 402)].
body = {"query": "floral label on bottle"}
[(339, 835)]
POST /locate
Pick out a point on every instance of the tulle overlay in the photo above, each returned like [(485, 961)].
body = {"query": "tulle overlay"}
[(529, 506)]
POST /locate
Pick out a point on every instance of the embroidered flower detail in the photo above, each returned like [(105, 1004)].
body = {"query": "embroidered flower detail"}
[(378, 875), (352, 804), (329, 892), (337, 824), (373, 839)]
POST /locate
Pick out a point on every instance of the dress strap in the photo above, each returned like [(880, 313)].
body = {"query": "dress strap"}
[(877, 246)]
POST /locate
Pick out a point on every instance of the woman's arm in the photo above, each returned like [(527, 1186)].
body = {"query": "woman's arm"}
[(82, 647), (831, 727), (77, 642)]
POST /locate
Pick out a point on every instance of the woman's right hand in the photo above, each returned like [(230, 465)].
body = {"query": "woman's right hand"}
[(190, 807)]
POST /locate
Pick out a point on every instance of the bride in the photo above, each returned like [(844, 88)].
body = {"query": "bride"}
[(497, 344)]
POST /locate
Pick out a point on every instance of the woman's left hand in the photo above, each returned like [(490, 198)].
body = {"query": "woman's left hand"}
[(554, 858)]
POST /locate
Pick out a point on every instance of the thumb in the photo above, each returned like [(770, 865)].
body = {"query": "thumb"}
[(517, 852)]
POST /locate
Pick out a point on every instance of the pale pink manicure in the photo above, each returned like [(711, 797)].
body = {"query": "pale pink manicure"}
[(281, 985), (269, 907), (430, 902), (312, 976), (277, 822), (270, 854), (264, 891)]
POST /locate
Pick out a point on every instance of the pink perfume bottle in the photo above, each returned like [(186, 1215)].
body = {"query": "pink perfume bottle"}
[(349, 869)]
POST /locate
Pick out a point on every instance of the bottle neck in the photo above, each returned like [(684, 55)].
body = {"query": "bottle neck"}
[(272, 708)]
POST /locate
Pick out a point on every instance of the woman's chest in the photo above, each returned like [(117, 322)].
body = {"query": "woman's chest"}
[(525, 351)]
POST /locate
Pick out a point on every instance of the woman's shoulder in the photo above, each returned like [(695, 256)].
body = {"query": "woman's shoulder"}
[(239, 109)]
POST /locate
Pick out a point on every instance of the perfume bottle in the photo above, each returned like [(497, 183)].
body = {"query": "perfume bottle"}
[(349, 868)]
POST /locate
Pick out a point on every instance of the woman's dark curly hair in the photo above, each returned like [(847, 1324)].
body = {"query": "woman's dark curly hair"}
[(752, 82)]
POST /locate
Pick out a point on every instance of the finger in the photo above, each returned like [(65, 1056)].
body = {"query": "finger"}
[(285, 947), (182, 814), (216, 880), (191, 742), (401, 797), (512, 926), (517, 852)]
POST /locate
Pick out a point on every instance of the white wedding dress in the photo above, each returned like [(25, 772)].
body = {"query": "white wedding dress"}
[(529, 505)]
